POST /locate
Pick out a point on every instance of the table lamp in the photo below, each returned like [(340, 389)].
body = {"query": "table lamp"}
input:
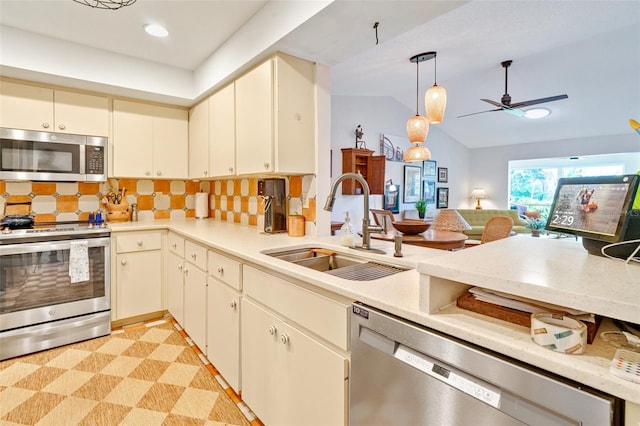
[(450, 220), (478, 194)]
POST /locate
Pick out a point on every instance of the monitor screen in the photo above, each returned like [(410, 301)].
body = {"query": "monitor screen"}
[(593, 207)]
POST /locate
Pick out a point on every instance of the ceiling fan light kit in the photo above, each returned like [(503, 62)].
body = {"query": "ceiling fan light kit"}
[(536, 113), (507, 106)]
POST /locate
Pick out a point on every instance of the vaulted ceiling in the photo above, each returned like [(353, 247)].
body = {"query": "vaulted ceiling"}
[(589, 50)]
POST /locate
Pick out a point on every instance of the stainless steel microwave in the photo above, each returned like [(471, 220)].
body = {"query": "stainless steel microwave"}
[(30, 155)]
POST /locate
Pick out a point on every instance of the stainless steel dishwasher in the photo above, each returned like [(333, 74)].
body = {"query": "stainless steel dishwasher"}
[(405, 374)]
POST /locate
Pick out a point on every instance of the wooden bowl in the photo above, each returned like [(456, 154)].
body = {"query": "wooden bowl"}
[(411, 227)]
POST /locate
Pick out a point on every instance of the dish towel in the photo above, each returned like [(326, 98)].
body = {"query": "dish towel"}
[(79, 261)]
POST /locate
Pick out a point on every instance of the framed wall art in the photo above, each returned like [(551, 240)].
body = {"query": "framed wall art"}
[(443, 174), (412, 181), (442, 198), (429, 169), (429, 191), (392, 198)]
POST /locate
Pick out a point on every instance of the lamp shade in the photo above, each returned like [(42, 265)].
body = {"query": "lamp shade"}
[(417, 152), (435, 103), (417, 129), (450, 220), (478, 194)]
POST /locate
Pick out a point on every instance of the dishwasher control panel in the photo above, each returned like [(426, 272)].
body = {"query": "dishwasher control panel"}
[(474, 387)]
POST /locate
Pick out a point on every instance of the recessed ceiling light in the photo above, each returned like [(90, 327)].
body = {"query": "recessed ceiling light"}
[(535, 113), (156, 30)]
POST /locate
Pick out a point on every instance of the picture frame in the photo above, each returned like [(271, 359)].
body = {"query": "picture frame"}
[(392, 198), (429, 169), (443, 174), (412, 183), (442, 198), (429, 191)]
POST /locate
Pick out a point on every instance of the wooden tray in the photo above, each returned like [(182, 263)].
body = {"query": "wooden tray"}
[(469, 302)]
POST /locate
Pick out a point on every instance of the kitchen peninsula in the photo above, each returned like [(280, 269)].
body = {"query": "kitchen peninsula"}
[(554, 271)]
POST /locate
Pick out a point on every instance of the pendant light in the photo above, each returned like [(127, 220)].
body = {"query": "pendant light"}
[(417, 126), (435, 101)]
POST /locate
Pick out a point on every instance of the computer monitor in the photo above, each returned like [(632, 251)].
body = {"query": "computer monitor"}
[(599, 209)]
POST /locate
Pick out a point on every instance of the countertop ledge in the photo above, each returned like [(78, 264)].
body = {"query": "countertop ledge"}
[(521, 265)]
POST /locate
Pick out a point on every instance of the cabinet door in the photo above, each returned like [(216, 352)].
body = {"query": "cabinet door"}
[(170, 142), (81, 114), (175, 287), (26, 107), (195, 305), (262, 386), (199, 140), (376, 174), (132, 139), (139, 283), (222, 132), (254, 120), (223, 331)]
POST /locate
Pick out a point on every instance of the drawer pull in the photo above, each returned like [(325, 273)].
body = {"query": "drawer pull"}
[(186, 270), (273, 330), (179, 267), (233, 304), (284, 338), (220, 270), (123, 262), (174, 245), (45, 125), (193, 256), (62, 127), (139, 242)]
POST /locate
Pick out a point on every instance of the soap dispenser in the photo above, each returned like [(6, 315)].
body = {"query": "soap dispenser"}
[(347, 233)]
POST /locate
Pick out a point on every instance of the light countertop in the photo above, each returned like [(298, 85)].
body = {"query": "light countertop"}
[(554, 271)]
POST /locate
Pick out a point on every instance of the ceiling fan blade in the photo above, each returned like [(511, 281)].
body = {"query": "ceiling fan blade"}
[(538, 101), (494, 103), (481, 112)]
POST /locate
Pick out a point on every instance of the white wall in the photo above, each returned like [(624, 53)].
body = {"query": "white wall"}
[(489, 166), (378, 115)]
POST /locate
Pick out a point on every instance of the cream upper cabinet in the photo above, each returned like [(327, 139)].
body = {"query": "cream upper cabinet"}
[(222, 132), (275, 116), (149, 141), (39, 108), (199, 140)]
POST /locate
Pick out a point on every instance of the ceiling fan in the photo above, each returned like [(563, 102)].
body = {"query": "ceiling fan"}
[(505, 102)]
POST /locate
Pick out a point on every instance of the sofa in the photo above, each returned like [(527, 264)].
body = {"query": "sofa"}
[(478, 217)]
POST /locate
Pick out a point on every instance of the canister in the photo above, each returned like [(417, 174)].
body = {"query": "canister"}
[(296, 225)]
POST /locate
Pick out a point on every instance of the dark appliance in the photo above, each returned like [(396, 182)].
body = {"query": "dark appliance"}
[(44, 303), (272, 191)]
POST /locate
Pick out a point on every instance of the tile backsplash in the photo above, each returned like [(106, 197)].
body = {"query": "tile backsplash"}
[(230, 200)]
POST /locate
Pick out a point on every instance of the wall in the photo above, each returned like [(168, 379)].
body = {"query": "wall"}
[(489, 167), (385, 115)]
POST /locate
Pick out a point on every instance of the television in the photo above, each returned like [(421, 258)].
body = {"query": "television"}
[(598, 209)]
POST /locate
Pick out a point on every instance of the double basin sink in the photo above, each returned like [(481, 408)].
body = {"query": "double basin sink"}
[(346, 266)]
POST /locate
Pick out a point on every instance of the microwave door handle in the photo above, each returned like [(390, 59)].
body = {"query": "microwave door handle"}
[(83, 159)]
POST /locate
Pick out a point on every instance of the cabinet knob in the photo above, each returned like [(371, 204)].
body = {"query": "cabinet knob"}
[(272, 330), (266, 164), (230, 169), (62, 127), (139, 242), (174, 245), (220, 270), (205, 172), (284, 338), (179, 267), (45, 125), (233, 304), (193, 256), (186, 271), (147, 173), (158, 173), (123, 262)]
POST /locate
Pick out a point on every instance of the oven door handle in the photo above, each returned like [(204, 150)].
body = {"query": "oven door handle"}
[(25, 248)]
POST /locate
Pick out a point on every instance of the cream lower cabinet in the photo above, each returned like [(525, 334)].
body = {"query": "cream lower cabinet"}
[(138, 272), (195, 293), (175, 277), (291, 376)]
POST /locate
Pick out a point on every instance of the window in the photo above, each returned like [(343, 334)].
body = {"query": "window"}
[(532, 183)]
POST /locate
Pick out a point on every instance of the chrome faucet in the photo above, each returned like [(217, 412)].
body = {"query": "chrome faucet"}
[(367, 229)]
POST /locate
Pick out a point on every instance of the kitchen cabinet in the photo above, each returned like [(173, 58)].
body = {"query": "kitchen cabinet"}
[(199, 140), (275, 117), (149, 141), (222, 132), (195, 293), (371, 167), (175, 277), (29, 107), (291, 376), (138, 274)]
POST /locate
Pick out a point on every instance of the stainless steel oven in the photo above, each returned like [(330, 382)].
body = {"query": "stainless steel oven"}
[(54, 287)]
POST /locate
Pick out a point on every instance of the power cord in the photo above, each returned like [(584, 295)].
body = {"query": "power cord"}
[(632, 256)]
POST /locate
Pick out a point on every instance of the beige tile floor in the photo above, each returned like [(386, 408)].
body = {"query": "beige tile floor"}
[(146, 375)]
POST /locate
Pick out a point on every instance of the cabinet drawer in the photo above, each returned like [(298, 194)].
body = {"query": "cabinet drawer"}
[(225, 269), (327, 318), (196, 254), (176, 244), (138, 242)]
